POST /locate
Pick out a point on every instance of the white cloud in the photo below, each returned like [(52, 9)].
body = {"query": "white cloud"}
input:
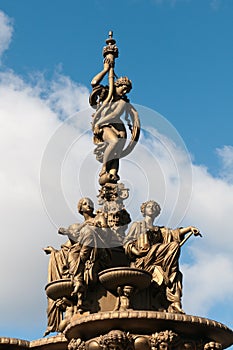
[(208, 279), (226, 157), (27, 121), (208, 282), (6, 31)]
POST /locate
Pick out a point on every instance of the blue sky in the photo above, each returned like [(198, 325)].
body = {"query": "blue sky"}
[(179, 55)]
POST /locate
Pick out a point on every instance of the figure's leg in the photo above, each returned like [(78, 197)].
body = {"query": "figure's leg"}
[(174, 294), (166, 257), (170, 266), (112, 152), (114, 163), (54, 315)]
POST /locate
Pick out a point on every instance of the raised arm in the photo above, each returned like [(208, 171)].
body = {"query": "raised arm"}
[(99, 77)]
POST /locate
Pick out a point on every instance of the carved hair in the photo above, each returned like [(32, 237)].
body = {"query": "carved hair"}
[(124, 81), (157, 206), (80, 204), (213, 345), (117, 337), (167, 337)]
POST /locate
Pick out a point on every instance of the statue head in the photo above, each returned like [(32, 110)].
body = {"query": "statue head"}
[(116, 340), (213, 346), (150, 206), (123, 85), (85, 205), (128, 290), (164, 340)]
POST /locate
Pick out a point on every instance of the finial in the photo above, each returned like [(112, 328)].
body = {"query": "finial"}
[(111, 47), (110, 40)]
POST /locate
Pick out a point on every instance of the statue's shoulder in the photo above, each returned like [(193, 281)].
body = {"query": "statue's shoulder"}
[(73, 231), (163, 229), (135, 225), (74, 227), (134, 230)]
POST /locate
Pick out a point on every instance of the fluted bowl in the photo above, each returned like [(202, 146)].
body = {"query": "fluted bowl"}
[(113, 278), (59, 289)]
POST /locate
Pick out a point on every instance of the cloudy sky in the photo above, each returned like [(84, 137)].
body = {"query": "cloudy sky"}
[(178, 53)]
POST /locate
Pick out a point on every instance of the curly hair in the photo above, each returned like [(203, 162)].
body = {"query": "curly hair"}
[(124, 81), (168, 337), (213, 345), (157, 206), (117, 337)]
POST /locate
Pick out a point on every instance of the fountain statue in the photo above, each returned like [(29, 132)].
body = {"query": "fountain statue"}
[(120, 286), (111, 285)]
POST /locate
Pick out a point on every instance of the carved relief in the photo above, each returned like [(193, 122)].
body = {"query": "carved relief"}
[(213, 346), (111, 197), (76, 344), (165, 340), (124, 298), (116, 340)]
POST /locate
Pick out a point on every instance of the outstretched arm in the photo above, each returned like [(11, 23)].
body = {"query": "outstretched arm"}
[(72, 232), (190, 230), (49, 250)]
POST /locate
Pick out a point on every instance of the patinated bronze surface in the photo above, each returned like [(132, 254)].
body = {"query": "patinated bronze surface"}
[(111, 105), (136, 302), (111, 286), (156, 250)]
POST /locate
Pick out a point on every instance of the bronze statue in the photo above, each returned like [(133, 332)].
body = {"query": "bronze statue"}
[(124, 298), (108, 128), (79, 259), (57, 269), (156, 250), (60, 260), (164, 340), (111, 291), (89, 253), (80, 251), (111, 197), (115, 340)]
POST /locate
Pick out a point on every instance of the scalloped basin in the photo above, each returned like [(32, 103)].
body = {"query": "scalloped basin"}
[(124, 276), (59, 289)]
